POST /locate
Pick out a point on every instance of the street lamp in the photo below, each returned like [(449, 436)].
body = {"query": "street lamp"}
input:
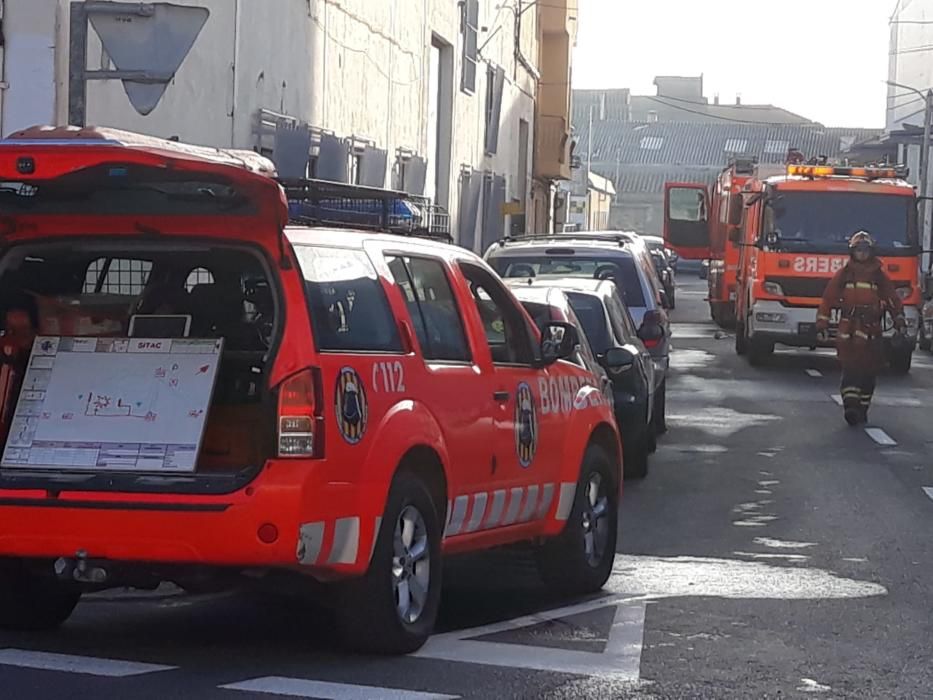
[(927, 98)]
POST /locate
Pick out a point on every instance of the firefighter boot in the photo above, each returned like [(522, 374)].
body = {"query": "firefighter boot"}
[(853, 415), (852, 406)]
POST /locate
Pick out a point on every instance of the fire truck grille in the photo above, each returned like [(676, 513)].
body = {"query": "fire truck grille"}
[(801, 286)]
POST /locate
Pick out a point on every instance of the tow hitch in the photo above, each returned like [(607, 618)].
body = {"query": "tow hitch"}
[(82, 569)]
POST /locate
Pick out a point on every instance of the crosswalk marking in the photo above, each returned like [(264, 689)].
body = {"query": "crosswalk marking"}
[(89, 665), (321, 690), (620, 660), (881, 437)]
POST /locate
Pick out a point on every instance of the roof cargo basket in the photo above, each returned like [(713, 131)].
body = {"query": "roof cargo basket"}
[(334, 204)]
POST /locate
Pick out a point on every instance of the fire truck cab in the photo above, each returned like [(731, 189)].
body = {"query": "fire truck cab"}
[(791, 233)]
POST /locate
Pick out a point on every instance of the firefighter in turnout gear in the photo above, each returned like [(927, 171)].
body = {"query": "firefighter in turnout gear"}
[(862, 293)]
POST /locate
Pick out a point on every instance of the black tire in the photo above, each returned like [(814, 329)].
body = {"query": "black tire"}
[(564, 562), (368, 616), (925, 343), (900, 362), (759, 351), (741, 341), (659, 420), (33, 601)]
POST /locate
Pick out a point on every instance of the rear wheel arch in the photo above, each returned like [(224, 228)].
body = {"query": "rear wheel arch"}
[(423, 462)]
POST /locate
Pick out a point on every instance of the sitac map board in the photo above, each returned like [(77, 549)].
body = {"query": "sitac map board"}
[(113, 404)]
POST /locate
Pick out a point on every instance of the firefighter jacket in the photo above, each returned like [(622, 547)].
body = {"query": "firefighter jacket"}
[(863, 293)]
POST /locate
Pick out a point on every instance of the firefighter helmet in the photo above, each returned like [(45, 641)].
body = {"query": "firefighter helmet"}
[(861, 239)]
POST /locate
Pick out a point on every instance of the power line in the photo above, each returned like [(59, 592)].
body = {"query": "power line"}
[(717, 116), (913, 49), (707, 104)]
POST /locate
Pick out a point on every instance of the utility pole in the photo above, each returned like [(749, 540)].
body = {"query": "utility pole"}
[(924, 179), (589, 168)]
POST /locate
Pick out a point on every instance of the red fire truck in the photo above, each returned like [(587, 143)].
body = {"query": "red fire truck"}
[(790, 233)]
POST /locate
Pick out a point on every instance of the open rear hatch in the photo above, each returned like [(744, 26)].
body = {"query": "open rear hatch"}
[(141, 309)]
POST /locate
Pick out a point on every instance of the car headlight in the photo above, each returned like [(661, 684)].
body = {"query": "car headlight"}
[(904, 292), (773, 288)]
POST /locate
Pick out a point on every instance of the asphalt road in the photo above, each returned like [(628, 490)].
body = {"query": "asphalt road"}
[(771, 552)]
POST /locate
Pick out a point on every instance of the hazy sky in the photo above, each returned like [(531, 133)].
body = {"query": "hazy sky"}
[(824, 59)]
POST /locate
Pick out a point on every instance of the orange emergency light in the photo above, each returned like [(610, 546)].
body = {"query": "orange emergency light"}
[(867, 173)]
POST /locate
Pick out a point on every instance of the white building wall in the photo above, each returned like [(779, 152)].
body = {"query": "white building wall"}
[(910, 61), (354, 67)]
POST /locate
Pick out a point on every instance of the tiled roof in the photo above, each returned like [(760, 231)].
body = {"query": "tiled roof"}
[(708, 144), (648, 180), (621, 106)]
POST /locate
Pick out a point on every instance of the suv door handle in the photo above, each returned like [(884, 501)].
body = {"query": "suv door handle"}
[(501, 396)]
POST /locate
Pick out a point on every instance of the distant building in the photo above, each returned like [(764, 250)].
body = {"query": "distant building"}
[(910, 57), (640, 142), (586, 206), (640, 157), (678, 99)]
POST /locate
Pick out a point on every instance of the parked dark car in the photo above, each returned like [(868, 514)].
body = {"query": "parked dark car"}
[(665, 272), (618, 256), (546, 304), (607, 325)]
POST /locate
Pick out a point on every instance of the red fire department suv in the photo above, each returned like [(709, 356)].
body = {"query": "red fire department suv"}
[(368, 403)]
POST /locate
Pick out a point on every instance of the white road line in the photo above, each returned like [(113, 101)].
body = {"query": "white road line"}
[(837, 398), (321, 690), (928, 490), (814, 373), (88, 665), (881, 437), (621, 658)]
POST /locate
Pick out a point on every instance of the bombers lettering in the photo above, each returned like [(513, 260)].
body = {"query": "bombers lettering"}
[(818, 263), (559, 394)]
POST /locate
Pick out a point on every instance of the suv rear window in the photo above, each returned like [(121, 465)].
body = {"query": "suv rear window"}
[(626, 274), (349, 309)]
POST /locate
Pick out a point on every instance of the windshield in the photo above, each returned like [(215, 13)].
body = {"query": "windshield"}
[(621, 269), (825, 221)]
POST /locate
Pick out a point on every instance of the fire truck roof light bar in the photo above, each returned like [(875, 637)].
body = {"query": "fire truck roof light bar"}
[(814, 171)]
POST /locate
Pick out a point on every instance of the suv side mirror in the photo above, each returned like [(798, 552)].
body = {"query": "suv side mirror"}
[(559, 340), (617, 360)]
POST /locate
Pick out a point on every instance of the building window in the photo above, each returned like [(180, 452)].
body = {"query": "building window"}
[(652, 143), (736, 145), (495, 84), (777, 147), (356, 168), (470, 45)]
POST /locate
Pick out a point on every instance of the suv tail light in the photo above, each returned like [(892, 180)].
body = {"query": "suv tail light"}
[(651, 331), (300, 428)]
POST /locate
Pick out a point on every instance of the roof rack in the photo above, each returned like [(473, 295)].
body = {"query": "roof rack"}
[(609, 237), (335, 204)]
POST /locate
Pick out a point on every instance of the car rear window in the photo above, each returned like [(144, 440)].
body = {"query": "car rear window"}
[(349, 309), (625, 275), (589, 309)]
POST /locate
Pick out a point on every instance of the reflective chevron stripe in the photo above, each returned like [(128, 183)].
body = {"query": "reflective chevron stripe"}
[(338, 542), (488, 510)]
